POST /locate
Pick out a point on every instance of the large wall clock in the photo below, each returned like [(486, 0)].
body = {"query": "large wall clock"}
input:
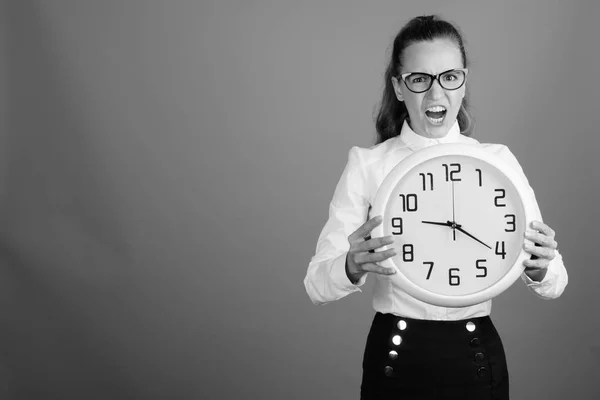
[(458, 214)]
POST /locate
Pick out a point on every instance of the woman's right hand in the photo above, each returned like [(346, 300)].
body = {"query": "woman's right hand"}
[(359, 260)]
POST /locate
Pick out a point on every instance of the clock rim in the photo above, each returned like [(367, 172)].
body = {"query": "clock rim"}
[(459, 149)]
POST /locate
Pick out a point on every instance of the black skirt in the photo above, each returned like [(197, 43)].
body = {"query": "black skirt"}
[(419, 359)]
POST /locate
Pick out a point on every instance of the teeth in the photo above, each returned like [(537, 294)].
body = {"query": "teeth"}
[(436, 108), (435, 121)]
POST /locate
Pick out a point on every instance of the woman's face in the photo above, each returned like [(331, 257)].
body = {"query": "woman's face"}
[(432, 57)]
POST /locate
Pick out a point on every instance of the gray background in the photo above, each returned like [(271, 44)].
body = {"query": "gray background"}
[(166, 168)]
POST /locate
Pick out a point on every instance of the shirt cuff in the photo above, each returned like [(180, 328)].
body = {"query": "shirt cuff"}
[(531, 282), (548, 279), (341, 280)]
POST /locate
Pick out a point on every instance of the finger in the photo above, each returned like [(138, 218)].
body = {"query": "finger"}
[(540, 263), (365, 258), (541, 239), (359, 234), (540, 252), (542, 227), (378, 269), (372, 244)]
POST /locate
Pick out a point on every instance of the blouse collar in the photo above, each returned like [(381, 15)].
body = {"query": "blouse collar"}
[(417, 142)]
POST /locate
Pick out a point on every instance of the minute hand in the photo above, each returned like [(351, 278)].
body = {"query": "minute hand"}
[(459, 228)]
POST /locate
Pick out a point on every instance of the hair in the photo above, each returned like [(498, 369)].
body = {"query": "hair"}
[(392, 112)]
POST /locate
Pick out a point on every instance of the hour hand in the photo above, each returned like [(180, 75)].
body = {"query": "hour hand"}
[(448, 223), (459, 228)]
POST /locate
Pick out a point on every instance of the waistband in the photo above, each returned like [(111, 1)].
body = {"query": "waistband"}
[(432, 327)]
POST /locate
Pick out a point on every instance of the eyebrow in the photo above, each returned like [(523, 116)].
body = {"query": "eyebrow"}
[(422, 72)]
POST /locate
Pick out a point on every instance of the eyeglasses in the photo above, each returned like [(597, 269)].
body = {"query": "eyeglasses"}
[(419, 82)]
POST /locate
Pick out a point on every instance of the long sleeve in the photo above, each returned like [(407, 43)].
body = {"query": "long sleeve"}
[(326, 278), (556, 279)]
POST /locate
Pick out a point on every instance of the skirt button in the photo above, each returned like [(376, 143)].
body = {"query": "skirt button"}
[(393, 354), (397, 340), (474, 342), (479, 357), (389, 371), (470, 326), (481, 371), (402, 324)]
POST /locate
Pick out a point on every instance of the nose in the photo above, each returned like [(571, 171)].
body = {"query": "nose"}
[(436, 90)]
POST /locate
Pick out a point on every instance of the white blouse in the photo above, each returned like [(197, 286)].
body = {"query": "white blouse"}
[(326, 278)]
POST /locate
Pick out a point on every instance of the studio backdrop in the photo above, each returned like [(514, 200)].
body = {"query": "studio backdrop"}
[(166, 168)]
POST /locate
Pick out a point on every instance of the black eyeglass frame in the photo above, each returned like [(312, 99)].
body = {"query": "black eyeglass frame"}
[(433, 78)]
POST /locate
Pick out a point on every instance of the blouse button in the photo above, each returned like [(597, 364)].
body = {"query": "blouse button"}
[(393, 354)]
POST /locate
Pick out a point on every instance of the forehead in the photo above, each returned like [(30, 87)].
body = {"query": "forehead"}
[(431, 56)]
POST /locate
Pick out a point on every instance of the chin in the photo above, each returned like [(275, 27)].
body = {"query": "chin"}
[(437, 131)]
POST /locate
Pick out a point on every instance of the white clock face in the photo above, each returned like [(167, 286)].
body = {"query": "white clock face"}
[(458, 225)]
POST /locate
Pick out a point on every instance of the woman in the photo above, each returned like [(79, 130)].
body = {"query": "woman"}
[(424, 103)]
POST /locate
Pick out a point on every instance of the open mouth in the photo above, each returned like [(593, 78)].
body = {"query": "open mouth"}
[(436, 114)]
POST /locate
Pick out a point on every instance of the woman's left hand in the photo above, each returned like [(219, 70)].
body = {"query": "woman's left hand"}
[(544, 250)]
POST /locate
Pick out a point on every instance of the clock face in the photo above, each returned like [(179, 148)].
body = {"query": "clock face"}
[(458, 223)]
